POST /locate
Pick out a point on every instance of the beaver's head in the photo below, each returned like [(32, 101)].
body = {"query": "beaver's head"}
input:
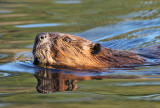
[(64, 50)]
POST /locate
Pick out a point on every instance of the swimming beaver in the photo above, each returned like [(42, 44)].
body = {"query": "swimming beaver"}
[(68, 51)]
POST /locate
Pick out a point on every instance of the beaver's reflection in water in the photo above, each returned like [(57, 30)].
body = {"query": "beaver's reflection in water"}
[(50, 82)]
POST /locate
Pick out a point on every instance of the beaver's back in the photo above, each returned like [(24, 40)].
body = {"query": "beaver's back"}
[(112, 58)]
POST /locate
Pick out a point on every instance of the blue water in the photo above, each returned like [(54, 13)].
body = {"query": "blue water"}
[(5, 11), (114, 30), (68, 1), (39, 25)]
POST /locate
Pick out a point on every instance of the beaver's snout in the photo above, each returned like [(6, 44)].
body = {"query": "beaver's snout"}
[(41, 36)]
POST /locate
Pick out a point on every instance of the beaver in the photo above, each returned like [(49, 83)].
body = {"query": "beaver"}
[(60, 50)]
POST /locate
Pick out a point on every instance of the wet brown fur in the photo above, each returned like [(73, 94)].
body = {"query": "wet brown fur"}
[(69, 51)]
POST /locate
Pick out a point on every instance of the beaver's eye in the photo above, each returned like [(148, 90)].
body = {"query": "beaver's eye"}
[(67, 39)]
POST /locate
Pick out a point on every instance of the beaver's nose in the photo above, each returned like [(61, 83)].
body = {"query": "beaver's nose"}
[(42, 36)]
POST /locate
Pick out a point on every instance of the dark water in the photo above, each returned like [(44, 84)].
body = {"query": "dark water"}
[(117, 24)]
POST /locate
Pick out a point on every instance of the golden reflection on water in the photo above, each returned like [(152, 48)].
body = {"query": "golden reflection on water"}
[(49, 82)]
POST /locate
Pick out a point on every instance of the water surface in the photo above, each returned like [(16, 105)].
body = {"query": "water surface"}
[(121, 24), (38, 25), (68, 1)]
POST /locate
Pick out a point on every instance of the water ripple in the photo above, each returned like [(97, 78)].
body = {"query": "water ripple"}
[(4, 104), (2, 74), (39, 25), (152, 97), (116, 30), (142, 14), (5, 11), (3, 56), (144, 83), (68, 1)]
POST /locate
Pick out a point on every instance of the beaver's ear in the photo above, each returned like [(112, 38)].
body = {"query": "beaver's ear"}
[(95, 48)]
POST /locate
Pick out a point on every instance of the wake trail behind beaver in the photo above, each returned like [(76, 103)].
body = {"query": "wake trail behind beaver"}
[(127, 34)]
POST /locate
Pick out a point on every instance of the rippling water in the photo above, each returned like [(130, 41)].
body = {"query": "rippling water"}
[(124, 25)]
